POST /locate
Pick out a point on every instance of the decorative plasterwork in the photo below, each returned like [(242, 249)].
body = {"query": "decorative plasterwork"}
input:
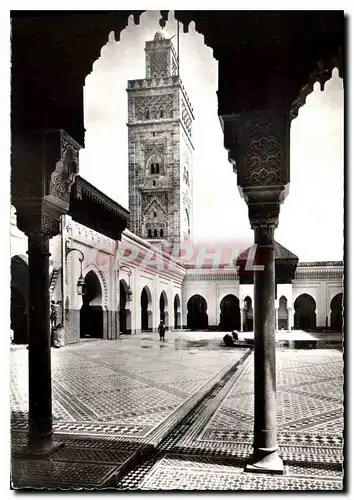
[(211, 275), (258, 145), (159, 198), (154, 148), (153, 105), (324, 273), (147, 198)]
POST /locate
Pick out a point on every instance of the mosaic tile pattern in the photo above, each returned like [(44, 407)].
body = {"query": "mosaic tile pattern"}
[(212, 457), (107, 397), (136, 388), (114, 387), (175, 472)]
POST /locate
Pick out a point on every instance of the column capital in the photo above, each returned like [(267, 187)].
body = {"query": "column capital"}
[(44, 166), (259, 149)]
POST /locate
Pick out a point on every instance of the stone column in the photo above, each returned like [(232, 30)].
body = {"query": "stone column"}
[(40, 435), (241, 318), (265, 430), (276, 318), (41, 196), (290, 318), (258, 144)]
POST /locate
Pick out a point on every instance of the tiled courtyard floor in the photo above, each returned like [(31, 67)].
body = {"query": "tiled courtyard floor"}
[(109, 398)]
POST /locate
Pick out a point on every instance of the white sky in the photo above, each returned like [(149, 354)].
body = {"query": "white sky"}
[(311, 219)]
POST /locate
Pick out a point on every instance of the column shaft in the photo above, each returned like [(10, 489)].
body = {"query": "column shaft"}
[(39, 363), (265, 436)]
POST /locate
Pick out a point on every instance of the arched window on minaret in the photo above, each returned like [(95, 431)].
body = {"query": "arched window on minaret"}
[(147, 114), (155, 233), (161, 233), (149, 233), (161, 113), (155, 214), (154, 165)]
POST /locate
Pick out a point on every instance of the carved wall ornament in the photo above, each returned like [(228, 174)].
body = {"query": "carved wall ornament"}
[(259, 145), (64, 175), (148, 199), (154, 148), (150, 107), (264, 215)]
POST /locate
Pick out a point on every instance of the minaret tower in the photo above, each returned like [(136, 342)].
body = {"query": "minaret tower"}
[(160, 152)]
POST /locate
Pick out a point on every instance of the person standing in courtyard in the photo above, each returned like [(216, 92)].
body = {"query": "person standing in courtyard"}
[(161, 330)]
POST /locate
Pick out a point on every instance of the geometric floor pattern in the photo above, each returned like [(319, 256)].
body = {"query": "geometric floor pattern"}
[(310, 427), (109, 396)]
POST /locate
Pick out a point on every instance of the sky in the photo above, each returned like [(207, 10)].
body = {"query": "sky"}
[(311, 218)]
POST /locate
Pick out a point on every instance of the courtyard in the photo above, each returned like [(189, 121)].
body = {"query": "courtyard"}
[(136, 413)]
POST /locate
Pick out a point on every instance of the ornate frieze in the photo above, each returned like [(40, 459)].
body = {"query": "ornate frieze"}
[(155, 149), (153, 107), (258, 145), (318, 273), (63, 176), (92, 238), (212, 275), (148, 198), (262, 215)]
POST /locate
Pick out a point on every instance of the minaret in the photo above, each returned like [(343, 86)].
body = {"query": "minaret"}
[(160, 151)]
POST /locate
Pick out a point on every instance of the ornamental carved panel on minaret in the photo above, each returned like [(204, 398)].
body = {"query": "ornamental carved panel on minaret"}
[(153, 107), (159, 63)]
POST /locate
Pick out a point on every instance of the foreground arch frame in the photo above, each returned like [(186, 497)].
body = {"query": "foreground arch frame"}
[(256, 107)]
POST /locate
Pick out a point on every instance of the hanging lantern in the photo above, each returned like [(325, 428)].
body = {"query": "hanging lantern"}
[(81, 286), (129, 294)]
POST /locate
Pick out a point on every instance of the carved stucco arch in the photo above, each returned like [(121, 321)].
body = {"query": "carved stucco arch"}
[(103, 282), (154, 200)]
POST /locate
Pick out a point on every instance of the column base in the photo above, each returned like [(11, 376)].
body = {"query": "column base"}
[(41, 450), (268, 463)]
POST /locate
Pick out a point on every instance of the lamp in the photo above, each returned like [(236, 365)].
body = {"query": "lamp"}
[(81, 283), (129, 291)]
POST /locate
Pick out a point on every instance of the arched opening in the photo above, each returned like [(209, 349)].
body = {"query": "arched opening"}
[(177, 311), (283, 314), (147, 114), (197, 317), (124, 313), (336, 320), (152, 169), (91, 313), (229, 313), (305, 315), (149, 233), (155, 233), (161, 113), (157, 169), (19, 300), (164, 309), (146, 312), (248, 315), (161, 233)]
